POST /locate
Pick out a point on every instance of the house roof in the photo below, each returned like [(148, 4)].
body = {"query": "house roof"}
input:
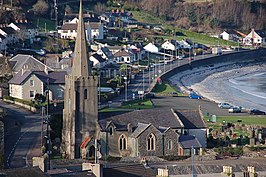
[(140, 128), (25, 25), (69, 26), (121, 53), (94, 25), (54, 77), (98, 57), (2, 37), (8, 30), (86, 17), (188, 141), (191, 119), (19, 61), (261, 33), (22, 172), (67, 173), (129, 170), (107, 52), (157, 117)]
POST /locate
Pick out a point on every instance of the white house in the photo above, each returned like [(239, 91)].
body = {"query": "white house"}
[(183, 44), (25, 30), (151, 48), (230, 35), (168, 46), (124, 57), (255, 37), (94, 30)]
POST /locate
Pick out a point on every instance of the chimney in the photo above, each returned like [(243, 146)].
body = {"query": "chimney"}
[(26, 21), (117, 11), (113, 11), (21, 21), (16, 21), (122, 11)]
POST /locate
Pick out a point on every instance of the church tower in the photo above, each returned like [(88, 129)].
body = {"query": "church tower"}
[(80, 114)]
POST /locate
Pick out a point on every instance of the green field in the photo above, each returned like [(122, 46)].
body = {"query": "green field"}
[(247, 120), (164, 89)]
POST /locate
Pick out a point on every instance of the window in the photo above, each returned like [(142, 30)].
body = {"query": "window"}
[(111, 130), (151, 142), (170, 144), (32, 83), (85, 94), (122, 142), (32, 94), (60, 93)]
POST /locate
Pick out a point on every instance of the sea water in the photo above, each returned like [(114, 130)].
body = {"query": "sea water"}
[(254, 86)]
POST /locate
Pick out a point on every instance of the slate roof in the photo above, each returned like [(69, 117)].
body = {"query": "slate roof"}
[(2, 37), (26, 25), (86, 17), (191, 118), (8, 30), (98, 57), (33, 64), (69, 26), (72, 174), (157, 117), (188, 141), (140, 128), (261, 33), (23, 172), (94, 25), (129, 170), (107, 52), (54, 77)]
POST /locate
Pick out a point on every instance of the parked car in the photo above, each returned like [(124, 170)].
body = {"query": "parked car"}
[(234, 110), (190, 59), (256, 112), (224, 105), (194, 96), (180, 57), (174, 94)]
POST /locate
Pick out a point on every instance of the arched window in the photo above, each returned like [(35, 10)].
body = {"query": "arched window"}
[(122, 142), (85, 94), (151, 142)]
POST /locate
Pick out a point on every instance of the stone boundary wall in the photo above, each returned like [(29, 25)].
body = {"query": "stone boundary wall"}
[(30, 108), (258, 54)]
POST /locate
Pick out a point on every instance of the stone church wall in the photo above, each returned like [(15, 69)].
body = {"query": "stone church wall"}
[(171, 135)]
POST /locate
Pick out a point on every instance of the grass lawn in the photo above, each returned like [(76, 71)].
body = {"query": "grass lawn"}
[(145, 17), (43, 23), (164, 89), (131, 105), (248, 120)]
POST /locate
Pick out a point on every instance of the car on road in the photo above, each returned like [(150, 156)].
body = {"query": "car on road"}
[(224, 105), (180, 57), (174, 94), (194, 95), (256, 112), (234, 110)]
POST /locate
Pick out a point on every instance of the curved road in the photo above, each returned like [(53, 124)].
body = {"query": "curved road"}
[(22, 130)]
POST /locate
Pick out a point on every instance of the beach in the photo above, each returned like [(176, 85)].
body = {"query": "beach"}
[(240, 84)]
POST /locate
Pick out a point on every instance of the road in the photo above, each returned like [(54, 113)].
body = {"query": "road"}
[(145, 80), (22, 131)]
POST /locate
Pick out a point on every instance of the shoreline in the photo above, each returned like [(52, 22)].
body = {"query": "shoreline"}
[(213, 83)]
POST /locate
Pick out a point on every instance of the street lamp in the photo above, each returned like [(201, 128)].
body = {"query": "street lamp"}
[(125, 88)]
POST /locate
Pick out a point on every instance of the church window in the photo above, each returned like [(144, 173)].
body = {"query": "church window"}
[(170, 144), (111, 130), (151, 142), (122, 142), (85, 94)]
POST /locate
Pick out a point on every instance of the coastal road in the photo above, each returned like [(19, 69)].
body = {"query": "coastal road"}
[(22, 132)]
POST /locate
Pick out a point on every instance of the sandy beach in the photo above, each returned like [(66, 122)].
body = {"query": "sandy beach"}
[(219, 83)]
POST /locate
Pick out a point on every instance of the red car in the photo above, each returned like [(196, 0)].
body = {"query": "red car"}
[(190, 59)]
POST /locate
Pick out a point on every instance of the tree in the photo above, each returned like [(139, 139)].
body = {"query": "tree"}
[(41, 7), (99, 8)]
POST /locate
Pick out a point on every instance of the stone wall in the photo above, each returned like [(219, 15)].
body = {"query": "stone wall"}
[(243, 56), (1, 144)]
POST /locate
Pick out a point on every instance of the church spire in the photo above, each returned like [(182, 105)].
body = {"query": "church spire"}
[(81, 66)]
